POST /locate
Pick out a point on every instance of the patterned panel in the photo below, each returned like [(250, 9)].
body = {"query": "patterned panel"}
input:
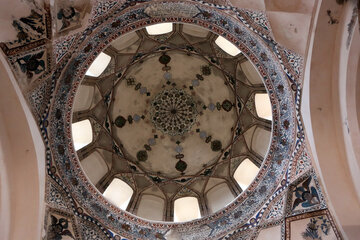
[(55, 196), (101, 8), (294, 63), (276, 211), (70, 15), (302, 164), (89, 231), (62, 46), (33, 31), (305, 195), (315, 225), (34, 63), (259, 18), (39, 96), (263, 186), (59, 225), (31, 65)]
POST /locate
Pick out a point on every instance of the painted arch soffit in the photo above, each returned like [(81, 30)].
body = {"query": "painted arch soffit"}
[(259, 48)]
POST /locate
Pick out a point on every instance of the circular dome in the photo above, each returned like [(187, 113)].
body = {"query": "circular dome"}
[(87, 202), (174, 115)]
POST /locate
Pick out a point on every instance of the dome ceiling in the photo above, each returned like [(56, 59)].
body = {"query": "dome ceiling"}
[(169, 120), (179, 120), (214, 224)]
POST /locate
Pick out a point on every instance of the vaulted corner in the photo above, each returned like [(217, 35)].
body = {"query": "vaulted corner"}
[(179, 120)]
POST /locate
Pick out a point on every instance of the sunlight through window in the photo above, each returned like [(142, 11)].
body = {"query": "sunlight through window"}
[(119, 193), (227, 46), (186, 209), (263, 106), (160, 28), (245, 173), (99, 65), (82, 134)]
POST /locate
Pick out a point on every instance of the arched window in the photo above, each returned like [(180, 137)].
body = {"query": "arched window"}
[(263, 106), (99, 65), (151, 207), (119, 193), (227, 46), (94, 166), (160, 28), (219, 196), (245, 173), (186, 209), (82, 134)]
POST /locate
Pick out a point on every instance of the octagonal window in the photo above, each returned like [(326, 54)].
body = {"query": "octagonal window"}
[(186, 209), (263, 106), (227, 46), (82, 134), (99, 65), (119, 193), (160, 28), (245, 173)]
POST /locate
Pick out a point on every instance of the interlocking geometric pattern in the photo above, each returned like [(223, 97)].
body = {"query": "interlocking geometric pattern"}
[(173, 111), (62, 168)]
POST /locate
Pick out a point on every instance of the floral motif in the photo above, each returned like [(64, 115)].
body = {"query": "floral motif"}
[(30, 30), (62, 47), (294, 60), (32, 64), (259, 18), (63, 97), (306, 195), (316, 228), (67, 15), (58, 229), (303, 163), (103, 7), (173, 112)]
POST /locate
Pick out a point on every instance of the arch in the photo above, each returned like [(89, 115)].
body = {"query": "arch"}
[(219, 196), (84, 98), (94, 166), (258, 138), (151, 207), (251, 73), (195, 31), (327, 93), (22, 163), (125, 42)]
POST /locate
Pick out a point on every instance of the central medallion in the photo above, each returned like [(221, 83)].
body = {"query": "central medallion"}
[(173, 111)]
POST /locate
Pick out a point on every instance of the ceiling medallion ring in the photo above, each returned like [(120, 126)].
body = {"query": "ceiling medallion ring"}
[(173, 112), (64, 96)]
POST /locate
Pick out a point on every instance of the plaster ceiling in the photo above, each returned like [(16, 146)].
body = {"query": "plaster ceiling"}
[(168, 119), (50, 53)]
